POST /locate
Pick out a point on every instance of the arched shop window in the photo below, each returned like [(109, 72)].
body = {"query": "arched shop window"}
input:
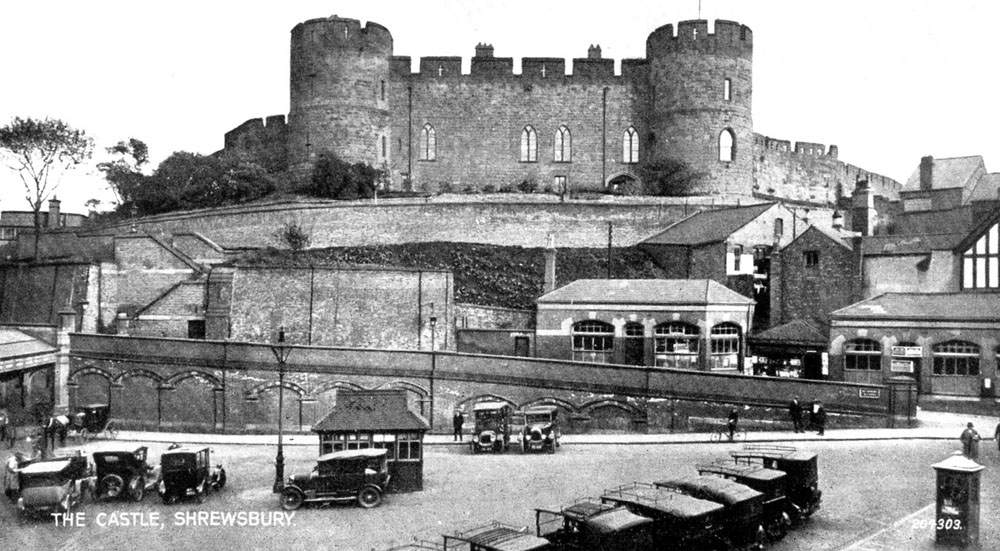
[(676, 345), (957, 358), (725, 346), (863, 355), (593, 341)]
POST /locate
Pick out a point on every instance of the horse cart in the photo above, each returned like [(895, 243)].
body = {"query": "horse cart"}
[(92, 421)]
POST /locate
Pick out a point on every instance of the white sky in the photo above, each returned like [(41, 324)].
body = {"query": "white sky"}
[(887, 81)]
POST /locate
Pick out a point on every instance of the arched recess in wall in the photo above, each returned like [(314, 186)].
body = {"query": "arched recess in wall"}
[(325, 395), (416, 395), (138, 407), (624, 183), (191, 401), (90, 385), (611, 415), (568, 406), (727, 145), (467, 403), (263, 400)]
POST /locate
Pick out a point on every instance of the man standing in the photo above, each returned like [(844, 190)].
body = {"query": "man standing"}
[(456, 424), (4, 421), (795, 412), (12, 486), (819, 416), (734, 419), (970, 442)]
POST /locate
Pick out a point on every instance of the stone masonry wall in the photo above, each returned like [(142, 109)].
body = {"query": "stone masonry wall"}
[(811, 293)]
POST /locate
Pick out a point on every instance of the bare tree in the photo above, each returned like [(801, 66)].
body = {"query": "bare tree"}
[(34, 148)]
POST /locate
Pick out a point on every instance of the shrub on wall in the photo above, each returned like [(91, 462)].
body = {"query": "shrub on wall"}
[(528, 185), (333, 178), (670, 177), (294, 236), (488, 188)]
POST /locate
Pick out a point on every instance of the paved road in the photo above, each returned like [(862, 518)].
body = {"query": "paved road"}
[(867, 487)]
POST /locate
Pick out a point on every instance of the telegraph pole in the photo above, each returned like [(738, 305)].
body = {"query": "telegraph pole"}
[(610, 226)]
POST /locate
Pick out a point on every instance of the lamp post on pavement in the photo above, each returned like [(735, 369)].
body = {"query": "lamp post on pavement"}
[(281, 352)]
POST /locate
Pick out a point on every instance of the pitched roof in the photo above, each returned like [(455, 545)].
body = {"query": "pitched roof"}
[(644, 291), (371, 410), (926, 306), (798, 331), (708, 226), (988, 188), (981, 227), (909, 244), (840, 237), (954, 172), (19, 350)]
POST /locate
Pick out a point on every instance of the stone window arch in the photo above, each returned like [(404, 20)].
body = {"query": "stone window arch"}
[(562, 147), (529, 145), (725, 343), (956, 358), (630, 145), (593, 341), (676, 345), (727, 145), (863, 355), (428, 143)]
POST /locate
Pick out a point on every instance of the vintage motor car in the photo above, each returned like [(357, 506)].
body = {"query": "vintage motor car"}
[(347, 475), (801, 468), (496, 536), (778, 509), (124, 473), (591, 525), (540, 430), (492, 432), (55, 485), (680, 522), (744, 507), (187, 471)]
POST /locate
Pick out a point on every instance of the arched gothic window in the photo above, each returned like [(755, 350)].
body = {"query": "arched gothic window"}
[(630, 145), (529, 145), (727, 146), (428, 143), (562, 149)]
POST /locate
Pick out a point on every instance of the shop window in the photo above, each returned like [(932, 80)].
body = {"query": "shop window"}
[(630, 146), (981, 262), (593, 341), (725, 346), (358, 441), (562, 151), (428, 143), (529, 145), (956, 358), (675, 345), (727, 146), (810, 258), (386, 442), (408, 446), (863, 355)]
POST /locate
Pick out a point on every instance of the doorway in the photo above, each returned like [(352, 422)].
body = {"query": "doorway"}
[(634, 350)]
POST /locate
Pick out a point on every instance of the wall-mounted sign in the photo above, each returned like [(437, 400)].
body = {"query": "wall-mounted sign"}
[(901, 366), (869, 393), (681, 347), (908, 351)]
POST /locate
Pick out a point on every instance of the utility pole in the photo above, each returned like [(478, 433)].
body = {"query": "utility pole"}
[(610, 226)]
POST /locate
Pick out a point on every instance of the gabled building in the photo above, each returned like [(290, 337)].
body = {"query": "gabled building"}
[(946, 196)]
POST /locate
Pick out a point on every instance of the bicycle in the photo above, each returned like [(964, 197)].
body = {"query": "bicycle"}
[(721, 434)]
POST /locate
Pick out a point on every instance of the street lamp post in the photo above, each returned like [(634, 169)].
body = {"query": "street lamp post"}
[(433, 321), (281, 352)]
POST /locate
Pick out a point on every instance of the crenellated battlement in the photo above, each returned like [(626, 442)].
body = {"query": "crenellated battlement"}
[(341, 32), (485, 65), (798, 148), (730, 38)]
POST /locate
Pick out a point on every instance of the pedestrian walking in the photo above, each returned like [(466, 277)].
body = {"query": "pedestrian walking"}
[(970, 442), (456, 424), (734, 419), (819, 418), (4, 426), (11, 481), (795, 412)]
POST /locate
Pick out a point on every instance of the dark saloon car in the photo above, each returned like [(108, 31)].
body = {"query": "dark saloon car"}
[(801, 468), (187, 471), (589, 525), (122, 473), (492, 432), (541, 429), (54, 485), (348, 475)]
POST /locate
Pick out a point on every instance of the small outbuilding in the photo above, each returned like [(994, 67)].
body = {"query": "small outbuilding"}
[(364, 419)]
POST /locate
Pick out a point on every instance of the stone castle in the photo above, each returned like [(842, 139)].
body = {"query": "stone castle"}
[(689, 100)]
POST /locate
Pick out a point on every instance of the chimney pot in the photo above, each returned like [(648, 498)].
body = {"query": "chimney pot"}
[(927, 173)]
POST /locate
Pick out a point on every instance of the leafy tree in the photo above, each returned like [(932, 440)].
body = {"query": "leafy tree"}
[(670, 177), (124, 171), (36, 148), (334, 178)]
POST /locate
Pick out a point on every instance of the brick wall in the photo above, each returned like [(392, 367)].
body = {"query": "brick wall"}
[(36, 293), (801, 292), (474, 316)]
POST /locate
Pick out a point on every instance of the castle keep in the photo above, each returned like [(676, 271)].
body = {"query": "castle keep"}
[(688, 100)]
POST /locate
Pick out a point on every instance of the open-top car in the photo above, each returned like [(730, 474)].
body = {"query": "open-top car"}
[(187, 471), (125, 473), (540, 429), (55, 485), (590, 525), (744, 507), (496, 536), (801, 468), (492, 432), (347, 475)]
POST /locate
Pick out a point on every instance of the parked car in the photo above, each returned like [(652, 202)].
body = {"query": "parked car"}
[(539, 429), (592, 525), (187, 471), (680, 522), (492, 431), (801, 468), (778, 509), (347, 475), (496, 536), (55, 485), (125, 473), (744, 507)]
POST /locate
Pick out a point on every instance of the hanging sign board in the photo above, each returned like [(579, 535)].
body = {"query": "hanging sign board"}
[(907, 351)]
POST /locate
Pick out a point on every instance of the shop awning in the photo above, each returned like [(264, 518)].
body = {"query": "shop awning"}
[(20, 351)]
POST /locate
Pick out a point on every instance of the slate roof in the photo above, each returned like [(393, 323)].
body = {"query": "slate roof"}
[(798, 331), (19, 350), (914, 244), (709, 226), (925, 306), (954, 172), (371, 410), (644, 291), (988, 188), (840, 237)]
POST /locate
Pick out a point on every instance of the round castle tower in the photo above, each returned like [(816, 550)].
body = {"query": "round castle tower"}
[(700, 102), (339, 92)]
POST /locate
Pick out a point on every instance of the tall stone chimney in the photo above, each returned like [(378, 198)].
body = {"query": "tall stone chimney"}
[(926, 173), (549, 282), (863, 213), (54, 214), (594, 51), (484, 50)]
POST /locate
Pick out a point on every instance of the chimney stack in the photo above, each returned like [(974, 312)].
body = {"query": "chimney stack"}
[(926, 173), (484, 50), (54, 213), (594, 51), (549, 284), (863, 209)]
